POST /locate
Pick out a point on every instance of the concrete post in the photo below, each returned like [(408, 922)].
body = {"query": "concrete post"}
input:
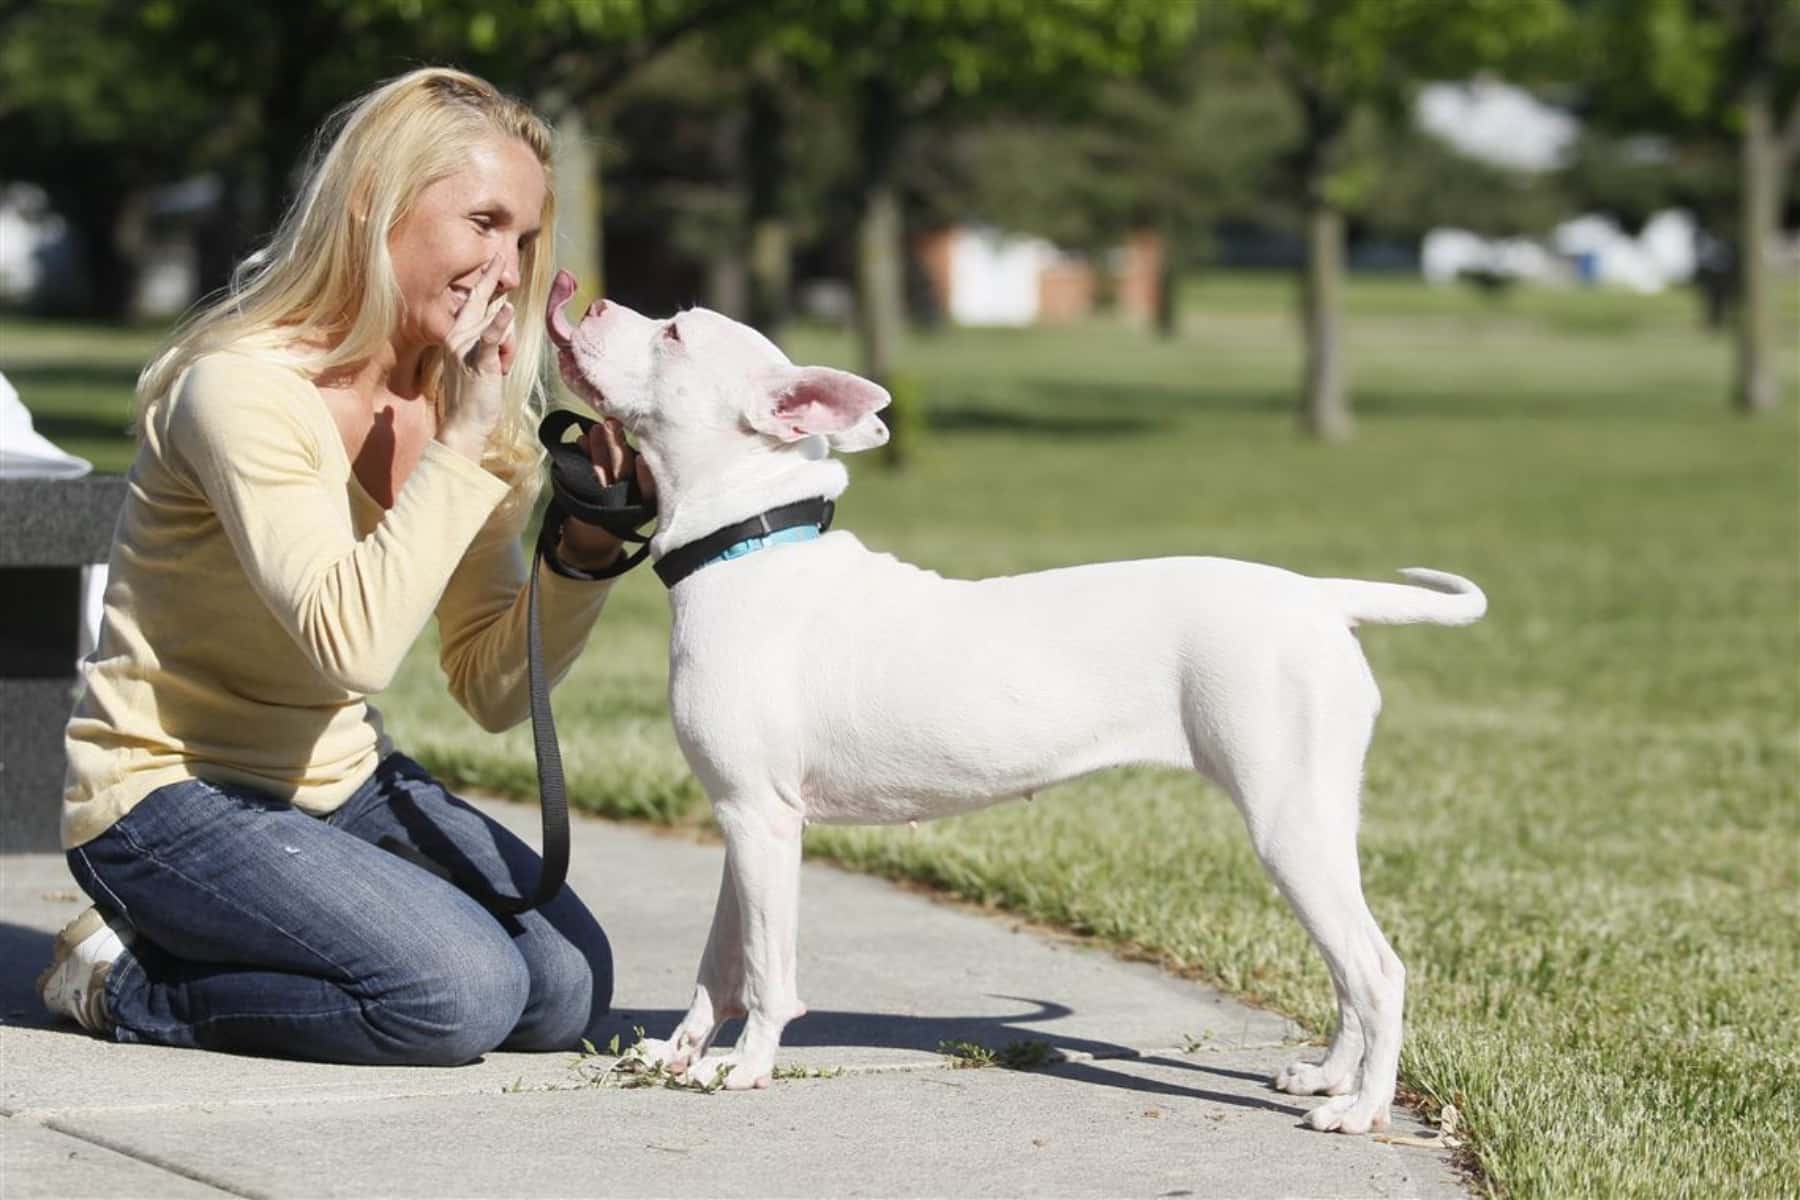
[(49, 530)]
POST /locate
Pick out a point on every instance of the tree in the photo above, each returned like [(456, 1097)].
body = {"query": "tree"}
[(902, 66), (1723, 76), (1341, 61), (103, 98)]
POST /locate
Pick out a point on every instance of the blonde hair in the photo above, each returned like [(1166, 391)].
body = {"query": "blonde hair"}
[(322, 295)]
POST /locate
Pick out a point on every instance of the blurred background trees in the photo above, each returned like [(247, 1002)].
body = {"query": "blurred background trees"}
[(787, 156), (1719, 82)]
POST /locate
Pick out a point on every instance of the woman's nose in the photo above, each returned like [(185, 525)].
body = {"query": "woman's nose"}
[(509, 272)]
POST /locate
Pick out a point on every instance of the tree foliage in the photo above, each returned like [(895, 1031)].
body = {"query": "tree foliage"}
[(1342, 61)]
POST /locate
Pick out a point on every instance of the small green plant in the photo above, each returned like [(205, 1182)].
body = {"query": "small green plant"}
[(966, 1055), (801, 1071), (634, 1069), (1014, 1056)]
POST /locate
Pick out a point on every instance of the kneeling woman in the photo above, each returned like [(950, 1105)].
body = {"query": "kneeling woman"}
[(337, 451)]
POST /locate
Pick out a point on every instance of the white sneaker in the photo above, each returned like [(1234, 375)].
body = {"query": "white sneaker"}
[(74, 984)]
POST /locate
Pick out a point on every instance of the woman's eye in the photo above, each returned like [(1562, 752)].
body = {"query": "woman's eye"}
[(485, 224)]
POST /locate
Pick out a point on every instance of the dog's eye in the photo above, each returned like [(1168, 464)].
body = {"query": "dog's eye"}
[(671, 333)]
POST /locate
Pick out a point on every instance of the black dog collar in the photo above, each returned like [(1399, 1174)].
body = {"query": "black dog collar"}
[(683, 561)]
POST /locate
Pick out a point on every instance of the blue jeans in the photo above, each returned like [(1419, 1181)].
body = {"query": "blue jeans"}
[(263, 930)]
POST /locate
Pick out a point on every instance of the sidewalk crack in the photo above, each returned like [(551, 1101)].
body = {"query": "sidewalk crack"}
[(151, 1160)]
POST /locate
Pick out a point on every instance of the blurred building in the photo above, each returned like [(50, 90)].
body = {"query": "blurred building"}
[(984, 276)]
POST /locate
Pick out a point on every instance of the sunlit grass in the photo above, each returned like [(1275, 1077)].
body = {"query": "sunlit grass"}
[(1581, 825)]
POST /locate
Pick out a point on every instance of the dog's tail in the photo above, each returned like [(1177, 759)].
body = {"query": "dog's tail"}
[(1439, 598)]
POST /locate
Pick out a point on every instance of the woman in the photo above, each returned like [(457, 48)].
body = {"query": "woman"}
[(340, 449)]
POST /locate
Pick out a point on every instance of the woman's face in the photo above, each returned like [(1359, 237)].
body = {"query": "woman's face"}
[(489, 206)]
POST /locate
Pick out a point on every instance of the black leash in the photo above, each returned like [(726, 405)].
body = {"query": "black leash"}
[(618, 508)]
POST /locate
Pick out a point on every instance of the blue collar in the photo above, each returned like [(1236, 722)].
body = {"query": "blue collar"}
[(750, 545)]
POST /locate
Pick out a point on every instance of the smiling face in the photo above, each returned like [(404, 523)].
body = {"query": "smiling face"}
[(492, 205)]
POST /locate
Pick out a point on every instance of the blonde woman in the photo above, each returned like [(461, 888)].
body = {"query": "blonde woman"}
[(335, 453)]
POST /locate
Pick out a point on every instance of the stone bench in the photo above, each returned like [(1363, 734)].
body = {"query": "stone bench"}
[(49, 530)]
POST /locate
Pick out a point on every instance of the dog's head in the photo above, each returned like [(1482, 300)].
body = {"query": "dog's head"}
[(700, 384)]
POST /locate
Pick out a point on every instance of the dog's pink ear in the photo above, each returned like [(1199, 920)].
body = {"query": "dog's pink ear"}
[(800, 401)]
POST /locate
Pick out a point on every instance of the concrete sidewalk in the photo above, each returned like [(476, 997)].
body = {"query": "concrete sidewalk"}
[(1137, 1109)]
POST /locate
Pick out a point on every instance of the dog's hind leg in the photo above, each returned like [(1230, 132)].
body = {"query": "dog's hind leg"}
[(1298, 792), (762, 841), (1309, 849)]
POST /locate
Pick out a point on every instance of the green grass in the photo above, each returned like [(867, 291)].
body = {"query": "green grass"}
[(1581, 825)]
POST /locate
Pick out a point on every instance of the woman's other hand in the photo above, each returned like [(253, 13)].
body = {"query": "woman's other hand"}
[(480, 346), (589, 547)]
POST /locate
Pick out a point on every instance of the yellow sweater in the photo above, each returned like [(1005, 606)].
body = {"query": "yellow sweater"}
[(257, 595)]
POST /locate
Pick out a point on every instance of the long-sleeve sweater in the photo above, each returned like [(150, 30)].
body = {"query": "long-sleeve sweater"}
[(257, 595)]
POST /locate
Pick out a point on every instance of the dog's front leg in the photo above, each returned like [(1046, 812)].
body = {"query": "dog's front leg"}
[(718, 987), (762, 862)]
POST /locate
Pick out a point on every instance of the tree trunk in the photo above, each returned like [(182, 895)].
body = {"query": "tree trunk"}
[(880, 254), (880, 309), (728, 252), (96, 214), (1168, 303), (770, 251), (1756, 386), (226, 235), (728, 283), (1325, 403), (578, 195), (1324, 396)]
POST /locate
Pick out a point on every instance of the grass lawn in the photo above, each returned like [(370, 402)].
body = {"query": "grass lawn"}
[(1580, 828)]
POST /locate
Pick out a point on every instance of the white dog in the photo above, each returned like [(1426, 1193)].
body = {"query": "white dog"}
[(821, 681)]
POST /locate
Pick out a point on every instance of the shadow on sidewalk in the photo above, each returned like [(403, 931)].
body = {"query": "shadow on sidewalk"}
[(868, 1030), (25, 952)]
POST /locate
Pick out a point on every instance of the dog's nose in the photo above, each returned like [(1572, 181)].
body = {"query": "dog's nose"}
[(597, 307)]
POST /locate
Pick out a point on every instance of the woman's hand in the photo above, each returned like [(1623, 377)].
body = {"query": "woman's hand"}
[(480, 347), (589, 547)]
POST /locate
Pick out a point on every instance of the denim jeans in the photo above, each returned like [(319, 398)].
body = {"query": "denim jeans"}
[(263, 930)]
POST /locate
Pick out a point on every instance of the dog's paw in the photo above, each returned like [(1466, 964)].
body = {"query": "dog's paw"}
[(1311, 1079), (1349, 1114), (731, 1073)]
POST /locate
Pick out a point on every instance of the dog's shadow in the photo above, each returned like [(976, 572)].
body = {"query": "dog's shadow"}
[(869, 1030), (24, 949)]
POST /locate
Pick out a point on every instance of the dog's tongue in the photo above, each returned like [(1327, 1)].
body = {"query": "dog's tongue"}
[(561, 288)]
